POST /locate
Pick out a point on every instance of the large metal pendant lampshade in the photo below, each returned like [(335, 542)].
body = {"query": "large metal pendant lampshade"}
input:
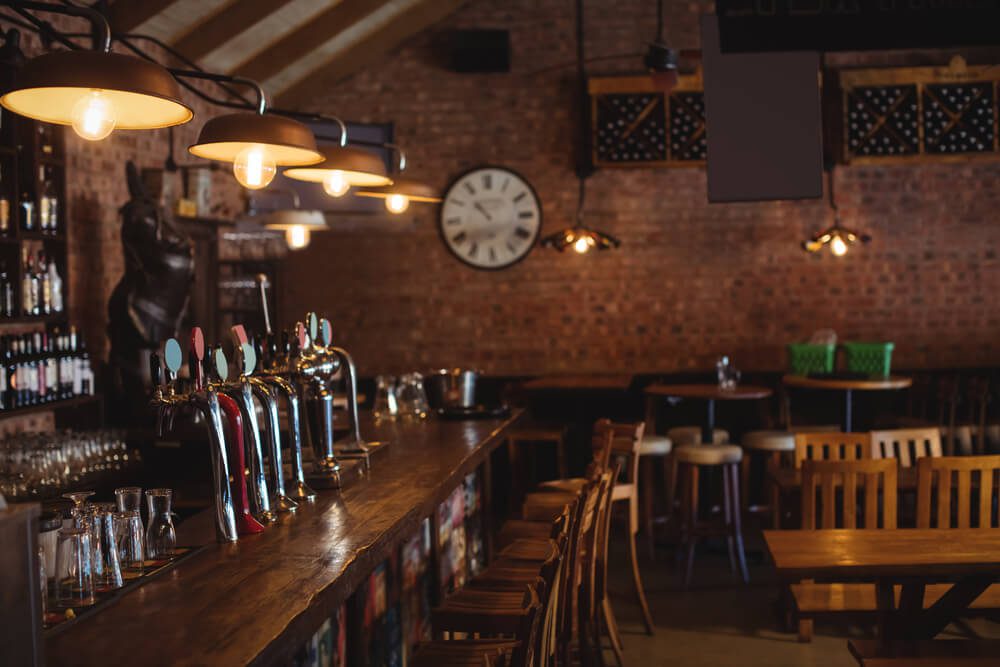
[(402, 191), (343, 167), (298, 225), (96, 91), (256, 144)]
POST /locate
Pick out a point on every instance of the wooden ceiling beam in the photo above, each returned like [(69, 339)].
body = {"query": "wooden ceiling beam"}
[(299, 43), (127, 15), (368, 51), (225, 24)]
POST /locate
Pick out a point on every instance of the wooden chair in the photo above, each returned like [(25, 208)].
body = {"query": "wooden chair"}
[(852, 478), (957, 491), (906, 445), (820, 446)]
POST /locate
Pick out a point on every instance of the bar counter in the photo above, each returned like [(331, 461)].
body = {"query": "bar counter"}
[(256, 601)]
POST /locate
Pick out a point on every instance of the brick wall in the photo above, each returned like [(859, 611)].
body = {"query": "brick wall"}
[(691, 280)]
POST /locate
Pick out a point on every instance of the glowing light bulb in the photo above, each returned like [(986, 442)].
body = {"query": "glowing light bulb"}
[(297, 237), (397, 203), (254, 167), (583, 244), (838, 246), (93, 116), (335, 184)]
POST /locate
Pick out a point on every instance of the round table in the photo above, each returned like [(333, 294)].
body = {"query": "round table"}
[(710, 393), (848, 386)]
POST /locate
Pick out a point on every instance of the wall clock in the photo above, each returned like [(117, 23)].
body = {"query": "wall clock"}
[(490, 218)]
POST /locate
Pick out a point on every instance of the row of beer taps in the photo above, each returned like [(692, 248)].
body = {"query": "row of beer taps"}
[(302, 370)]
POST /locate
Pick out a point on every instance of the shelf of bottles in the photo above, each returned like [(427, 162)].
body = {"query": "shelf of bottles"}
[(32, 221)]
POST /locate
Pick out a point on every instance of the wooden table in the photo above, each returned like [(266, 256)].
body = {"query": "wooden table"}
[(257, 601), (848, 386), (967, 558), (710, 393), (579, 382)]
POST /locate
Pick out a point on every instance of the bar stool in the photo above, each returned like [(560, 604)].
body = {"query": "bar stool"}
[(691, 435), (654, 450), (689, 459), (773, 447)]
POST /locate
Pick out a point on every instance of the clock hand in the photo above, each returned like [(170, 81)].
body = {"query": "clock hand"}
[(479, 207)]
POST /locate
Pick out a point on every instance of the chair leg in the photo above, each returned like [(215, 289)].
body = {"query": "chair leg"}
[(727, 515), (745, 477), (737, 521), (611, 625), (689, 498), (646, 495), (640, 594), (805, 630)]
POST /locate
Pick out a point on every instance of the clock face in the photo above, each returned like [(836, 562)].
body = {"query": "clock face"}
[(490, 218)]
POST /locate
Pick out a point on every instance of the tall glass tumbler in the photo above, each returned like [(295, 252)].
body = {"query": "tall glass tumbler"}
[(74, 572), (131, 543), (161, 539), (104, 533), (129, 498)]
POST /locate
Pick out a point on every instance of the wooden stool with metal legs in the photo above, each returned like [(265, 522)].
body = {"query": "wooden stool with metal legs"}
[(654, 456), (690, 459)]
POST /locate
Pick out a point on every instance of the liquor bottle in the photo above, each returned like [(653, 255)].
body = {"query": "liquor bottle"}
[(26, 304), (6, 295), (45, 289), (55, 288), (28, 211), (10, 348), (3, 373), (48, 203), (41, 370), (45, 139), (76, 374), (35, 288), (4, 202)]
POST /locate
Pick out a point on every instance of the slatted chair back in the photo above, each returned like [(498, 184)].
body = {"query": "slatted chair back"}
[(864, 478), (601, 439), (625, 451), (594, 558), (820, 446), (906, 445), (570, 568), (957, 492)]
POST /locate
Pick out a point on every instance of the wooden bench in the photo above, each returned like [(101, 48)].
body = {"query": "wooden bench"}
[(931, 653), (815, 599)]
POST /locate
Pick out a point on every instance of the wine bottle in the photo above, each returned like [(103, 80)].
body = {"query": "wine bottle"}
[(4, 202), (55, 288), (45, 290)]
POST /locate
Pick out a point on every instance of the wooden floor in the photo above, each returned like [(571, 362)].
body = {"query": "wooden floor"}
[(719, 622)]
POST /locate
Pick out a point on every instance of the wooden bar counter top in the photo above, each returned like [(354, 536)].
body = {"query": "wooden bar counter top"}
[(257, 601)]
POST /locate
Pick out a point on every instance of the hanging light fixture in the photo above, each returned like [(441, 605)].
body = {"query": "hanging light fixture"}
[(96, 91), (343, 167), (840, 239), (255, 143), (298, 225), (579, 237), (398, 196), (660, 59)]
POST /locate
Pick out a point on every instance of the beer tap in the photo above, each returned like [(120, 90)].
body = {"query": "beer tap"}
[(242, 395), (310, 369), (355, 446), (268, 398), (207, 403), (245, 522)]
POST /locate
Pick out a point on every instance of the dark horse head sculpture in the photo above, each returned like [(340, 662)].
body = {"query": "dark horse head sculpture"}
[(149, 301)]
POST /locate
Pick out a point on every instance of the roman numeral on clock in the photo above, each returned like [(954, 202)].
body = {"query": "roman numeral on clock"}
[(458, 238), (520, 197), (488, 181), (454, 221), (468, 186), (526, 215), (523, 233)]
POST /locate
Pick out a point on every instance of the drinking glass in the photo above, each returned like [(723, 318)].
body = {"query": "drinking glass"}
[(104, 535), (129, 498), (161, 540), (131, 543), (78, 498), (385, 407), (74, 574)]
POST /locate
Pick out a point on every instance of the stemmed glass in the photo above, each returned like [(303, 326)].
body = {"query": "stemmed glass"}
[(78, 498)]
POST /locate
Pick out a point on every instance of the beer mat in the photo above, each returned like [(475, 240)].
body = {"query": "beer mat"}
[(375, 449), (475, 412), (58, 618)]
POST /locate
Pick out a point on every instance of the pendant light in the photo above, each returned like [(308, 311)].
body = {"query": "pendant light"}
[(343, 167), (838, 238), (398, 196), (298, 225), (660, 59), (579, 237), (96, 91), (256, 143)]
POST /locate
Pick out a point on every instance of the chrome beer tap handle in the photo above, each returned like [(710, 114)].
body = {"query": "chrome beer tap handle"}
[(241, 393), (268, 401), (297, 489)]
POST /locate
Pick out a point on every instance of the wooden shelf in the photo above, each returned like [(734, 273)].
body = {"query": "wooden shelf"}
[(54, 318), (41, 236), (54, 405)]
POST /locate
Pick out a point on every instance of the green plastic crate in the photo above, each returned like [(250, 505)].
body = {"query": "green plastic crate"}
[(870, 358), (806, 358)]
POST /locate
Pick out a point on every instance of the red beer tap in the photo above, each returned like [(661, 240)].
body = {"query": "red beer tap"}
[(246, 524)]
